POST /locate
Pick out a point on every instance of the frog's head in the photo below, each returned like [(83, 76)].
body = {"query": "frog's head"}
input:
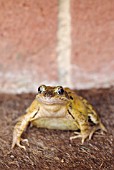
[(52, 95)]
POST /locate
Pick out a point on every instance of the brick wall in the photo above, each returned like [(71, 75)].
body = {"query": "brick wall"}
[(67, 42)]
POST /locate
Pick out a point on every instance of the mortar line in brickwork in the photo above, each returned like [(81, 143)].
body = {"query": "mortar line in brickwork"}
[(64, 43)]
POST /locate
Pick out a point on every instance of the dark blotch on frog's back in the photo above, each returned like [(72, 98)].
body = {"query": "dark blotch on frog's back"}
[(71, 97)]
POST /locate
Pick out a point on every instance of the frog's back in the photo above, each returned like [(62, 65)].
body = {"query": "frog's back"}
[(80, 104)]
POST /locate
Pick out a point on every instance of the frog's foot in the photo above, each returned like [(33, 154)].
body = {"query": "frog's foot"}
[(88, 133), (17, 142), (80, 135)]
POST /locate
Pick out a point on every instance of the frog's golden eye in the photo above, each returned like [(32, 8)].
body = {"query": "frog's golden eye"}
[(41, 89), (59, 90)]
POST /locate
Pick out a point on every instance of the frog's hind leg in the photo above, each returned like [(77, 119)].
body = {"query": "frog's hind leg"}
[(93, 130), (99, 126)]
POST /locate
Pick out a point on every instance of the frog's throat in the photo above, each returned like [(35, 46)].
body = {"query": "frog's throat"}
[(52, 101)]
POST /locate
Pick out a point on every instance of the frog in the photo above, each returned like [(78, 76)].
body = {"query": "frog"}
[(60, 108)]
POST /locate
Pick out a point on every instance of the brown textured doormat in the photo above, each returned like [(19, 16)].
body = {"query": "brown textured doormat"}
[(52, 149)]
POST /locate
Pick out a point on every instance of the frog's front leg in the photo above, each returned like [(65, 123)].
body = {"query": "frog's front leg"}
[(23, 123), (85, 132)]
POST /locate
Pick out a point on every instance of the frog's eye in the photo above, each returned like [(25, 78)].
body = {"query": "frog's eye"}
[(60, 90), (41, 89)]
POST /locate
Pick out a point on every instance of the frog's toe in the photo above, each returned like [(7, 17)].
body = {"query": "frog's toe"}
[(21, 146), (80, 135), (91, 133), (102, 127), (25, 140), (16, 140), (84, 137)]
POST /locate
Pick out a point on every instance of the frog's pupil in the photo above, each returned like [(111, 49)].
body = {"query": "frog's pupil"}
[(60, 91), (39, 90)]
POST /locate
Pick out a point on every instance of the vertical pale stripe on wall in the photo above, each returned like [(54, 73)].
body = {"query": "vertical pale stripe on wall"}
[(64, 42)]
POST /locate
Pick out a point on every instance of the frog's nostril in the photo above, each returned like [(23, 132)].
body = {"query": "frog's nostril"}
[(45, 94), (48, 94)]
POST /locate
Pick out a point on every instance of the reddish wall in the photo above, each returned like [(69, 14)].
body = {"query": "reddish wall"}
[(27, 42), (93, 42), (28, 39)]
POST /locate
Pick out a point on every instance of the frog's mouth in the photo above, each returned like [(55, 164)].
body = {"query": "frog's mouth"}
[(52, 101)]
